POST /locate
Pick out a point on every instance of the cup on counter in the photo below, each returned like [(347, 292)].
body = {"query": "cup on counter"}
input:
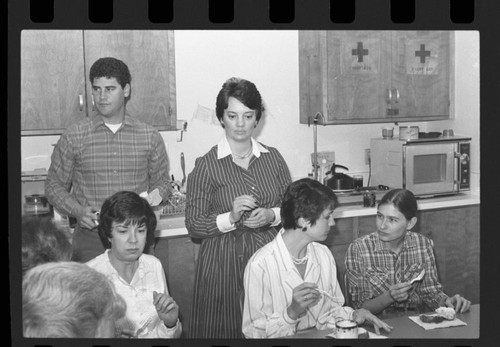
[(357, 181), (448, 132), (387, 132), (346, 329)]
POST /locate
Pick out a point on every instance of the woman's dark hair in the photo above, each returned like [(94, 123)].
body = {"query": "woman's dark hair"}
[(126, 207), (110, 67), (306, 198), (403, 200), (244, 91), (42, 242)]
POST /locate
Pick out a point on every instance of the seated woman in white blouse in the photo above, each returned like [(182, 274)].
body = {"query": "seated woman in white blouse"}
[(283, 280), (126, 226)]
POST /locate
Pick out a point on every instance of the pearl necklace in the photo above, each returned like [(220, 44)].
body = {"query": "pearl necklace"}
[(300, 261), (244, 156)]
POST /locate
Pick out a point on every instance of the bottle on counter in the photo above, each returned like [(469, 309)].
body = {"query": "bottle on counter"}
[(369, 199)]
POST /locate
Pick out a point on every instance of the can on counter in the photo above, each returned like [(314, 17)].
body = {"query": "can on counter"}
[(369, 199)]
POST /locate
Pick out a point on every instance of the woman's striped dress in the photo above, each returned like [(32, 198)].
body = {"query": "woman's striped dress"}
[(211, 188)]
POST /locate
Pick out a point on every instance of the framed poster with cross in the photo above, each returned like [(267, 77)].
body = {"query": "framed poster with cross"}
[(422, 58), (362, 55)]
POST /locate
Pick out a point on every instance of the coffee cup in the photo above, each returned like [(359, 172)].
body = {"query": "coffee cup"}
[(346, 329), (448, 132)]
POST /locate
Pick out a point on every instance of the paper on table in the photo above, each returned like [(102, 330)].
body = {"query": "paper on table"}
[(443, 324)]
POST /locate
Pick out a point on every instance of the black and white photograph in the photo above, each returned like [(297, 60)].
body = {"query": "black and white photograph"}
[(241, 184)]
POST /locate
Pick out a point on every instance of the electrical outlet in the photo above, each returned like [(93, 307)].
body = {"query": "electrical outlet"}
[(367, 156), (328, 155)]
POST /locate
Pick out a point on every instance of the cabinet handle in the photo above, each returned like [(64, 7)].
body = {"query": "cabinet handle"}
[(80, 99), (397, 95), (389, 96)]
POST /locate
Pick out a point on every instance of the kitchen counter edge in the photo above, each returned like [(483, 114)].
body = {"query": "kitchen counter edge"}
[(173, 226)]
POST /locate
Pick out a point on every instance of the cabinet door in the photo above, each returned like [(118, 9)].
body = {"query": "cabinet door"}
[(178, 257), (455, 233), (421, 74), (149, 55), (375, 76), (356, 74), (310, 75), (52, 80)]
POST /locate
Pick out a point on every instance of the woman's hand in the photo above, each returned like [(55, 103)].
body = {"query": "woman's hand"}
[(303, 296), (167, 308), (240, 205), (259, 217), (362, 315), (399, 291), (460, 304)]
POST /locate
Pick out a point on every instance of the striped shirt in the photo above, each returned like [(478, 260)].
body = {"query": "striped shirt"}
[(216, 181), (371, 269), (90, 163), (269, 280)]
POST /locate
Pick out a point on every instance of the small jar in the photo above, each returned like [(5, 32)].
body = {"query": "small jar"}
[(369, 199), (36, 205)]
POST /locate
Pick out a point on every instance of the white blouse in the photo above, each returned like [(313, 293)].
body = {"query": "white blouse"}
[(138, 295), (269, 280)]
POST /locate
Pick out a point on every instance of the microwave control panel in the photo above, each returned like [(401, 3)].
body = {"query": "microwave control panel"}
[(464, 165)]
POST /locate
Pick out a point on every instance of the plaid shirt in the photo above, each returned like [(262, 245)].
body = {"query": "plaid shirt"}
[(371, 269), (91, 163)]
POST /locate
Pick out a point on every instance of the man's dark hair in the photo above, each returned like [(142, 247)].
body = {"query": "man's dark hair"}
[(109, 67)]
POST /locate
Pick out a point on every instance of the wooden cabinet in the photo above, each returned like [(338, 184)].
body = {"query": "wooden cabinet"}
[(374, 76), (52, 80), (56, 92), (178, 256), (455, 232)]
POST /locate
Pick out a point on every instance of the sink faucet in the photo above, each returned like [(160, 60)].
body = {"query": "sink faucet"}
[(315, 120)]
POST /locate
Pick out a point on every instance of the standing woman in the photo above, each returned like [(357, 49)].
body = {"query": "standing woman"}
[(233, 198)]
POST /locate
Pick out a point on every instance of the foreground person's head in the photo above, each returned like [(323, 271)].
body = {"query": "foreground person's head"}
[(70, 300)]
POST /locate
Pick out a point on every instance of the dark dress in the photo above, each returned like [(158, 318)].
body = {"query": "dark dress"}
[(211, 188)]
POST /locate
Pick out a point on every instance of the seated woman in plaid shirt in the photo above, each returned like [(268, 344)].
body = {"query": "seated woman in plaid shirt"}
[(381, 265)]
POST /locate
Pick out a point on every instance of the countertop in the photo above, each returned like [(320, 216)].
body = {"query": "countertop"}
[(169, 226)]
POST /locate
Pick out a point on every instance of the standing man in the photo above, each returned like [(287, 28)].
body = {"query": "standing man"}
[(103, 154)]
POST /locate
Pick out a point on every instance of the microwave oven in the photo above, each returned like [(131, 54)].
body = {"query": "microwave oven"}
[(426, 166)]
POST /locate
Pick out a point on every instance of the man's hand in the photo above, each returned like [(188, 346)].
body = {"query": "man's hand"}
[(87, 217)]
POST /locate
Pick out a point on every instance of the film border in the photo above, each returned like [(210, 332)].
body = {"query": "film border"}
[(248, 14)]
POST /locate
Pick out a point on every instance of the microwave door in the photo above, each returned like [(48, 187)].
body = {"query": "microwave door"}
[(430, 168)]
